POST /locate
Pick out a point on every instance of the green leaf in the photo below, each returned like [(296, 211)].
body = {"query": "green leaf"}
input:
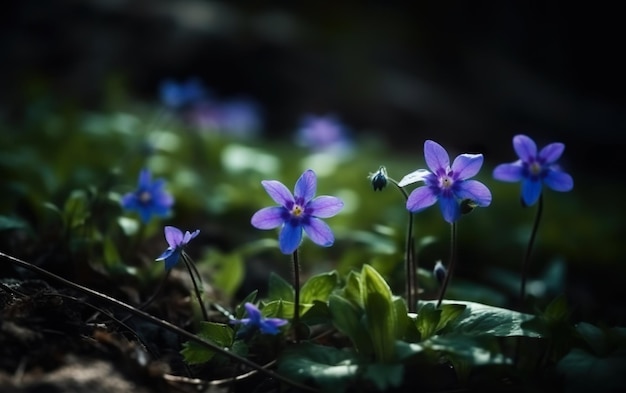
[(473, 350), (380, 313), (333, 370), (279, 289), (12, 223), (594, 337), (347, 319), (449, 312), (352, 290), (480, 319), (228, 272), (402, 313), (76, 209), (319, 287), (283, 309), (218, 333), (584, 372), (385, 376), (428, 318)]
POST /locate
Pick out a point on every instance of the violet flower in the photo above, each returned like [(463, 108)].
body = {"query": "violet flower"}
[(449, 185), (257, 321), (534, 169), (323, 134), (177, 95), (298, 211), (150, 198), (177, 242)]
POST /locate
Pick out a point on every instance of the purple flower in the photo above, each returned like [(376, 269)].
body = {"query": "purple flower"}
[(177, 95), (323, 133), (447, 184), (297, 212), (177, 242), (256, 320), (534, 168), (150, 198)]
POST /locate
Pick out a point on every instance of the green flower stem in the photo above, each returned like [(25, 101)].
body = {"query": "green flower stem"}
[(296, 298), (410, 261), (193, 272), (529, 248), (450, 268), (159, 322)]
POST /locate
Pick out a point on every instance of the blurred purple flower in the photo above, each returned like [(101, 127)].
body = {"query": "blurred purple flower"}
[(298, 211), (178, 95), (256, 321), (238, 117), (447, 184), (534, 169), (150, 198), (177, 242), (323, 133)]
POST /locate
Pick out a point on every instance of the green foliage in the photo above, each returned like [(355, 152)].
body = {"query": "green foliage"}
[(220, 334)]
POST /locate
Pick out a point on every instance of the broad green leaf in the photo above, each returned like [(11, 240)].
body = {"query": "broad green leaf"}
[(319, 287), (228, 272), (279, 289), (380, 313), (283, 309), (332, 369), (347, 319), (449, 312), (557, 311), (480, 319), (352, 290), (584, 372), (385, 376), (7, 222), (402, 313), (428, 318), (76, 209), (475, 350), (594, 337), (218, 333)]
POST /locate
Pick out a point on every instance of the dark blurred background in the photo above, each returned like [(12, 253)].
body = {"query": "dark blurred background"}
[(469, 75)]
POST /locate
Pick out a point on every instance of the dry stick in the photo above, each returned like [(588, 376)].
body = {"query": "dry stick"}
[(159, 322), (450, 264)]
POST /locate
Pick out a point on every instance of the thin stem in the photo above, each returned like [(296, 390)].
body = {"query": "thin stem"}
[(410, 261), (192, 269), (159, 322), (296, 300), (526, 262), (450, 269)]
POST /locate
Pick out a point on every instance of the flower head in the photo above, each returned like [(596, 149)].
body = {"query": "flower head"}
[(450, 185), (323, 134), (177, 95), (177, 242), (534, 169), (298, 211), (257, 321), (150, 198)]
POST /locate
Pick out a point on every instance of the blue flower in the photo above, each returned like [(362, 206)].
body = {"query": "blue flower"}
[(450, 185), (177, 95), (256, 321), (150, 198), (298, 211), (177, 242), (534, 169), (323, 134)]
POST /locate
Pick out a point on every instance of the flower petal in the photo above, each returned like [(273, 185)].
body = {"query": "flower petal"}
[(165, 254), (450, 209), (467, 165), (414, 177), (144, 179), (476, 191), (512, 172), (271, 325), (268, 217), (420, 199), (290, 238), (559, 180), (319, 232), (254, 314), (189, 236), (436, 156), (174, 236), (278, 192), (531, 189), (306, 186), (525, 147), (324, 206), (552, 152)]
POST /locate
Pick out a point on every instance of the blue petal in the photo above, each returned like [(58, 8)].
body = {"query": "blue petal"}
[(269, 217), (170, 256), (467, 165), (420, 199), (306, 186), (319, 232), (324, 206), (253, 313), (174, 236), (559, 181), (552, 152), (450, 209), (278, 192), (436, 156), (476, 191), (525, 147), (189, 236), (509, 172), (144, 179), (289, 238), (271, 325), (531, 189)]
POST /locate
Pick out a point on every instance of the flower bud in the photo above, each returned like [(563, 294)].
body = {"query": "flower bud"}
[(379, 179), (439, 271), (467, 206)]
